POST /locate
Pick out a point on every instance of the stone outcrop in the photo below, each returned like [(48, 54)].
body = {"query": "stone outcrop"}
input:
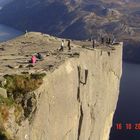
[(3, 93), (77, 100)]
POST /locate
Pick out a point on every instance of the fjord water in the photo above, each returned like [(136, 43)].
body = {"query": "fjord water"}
[(7, 33), (128, 108)]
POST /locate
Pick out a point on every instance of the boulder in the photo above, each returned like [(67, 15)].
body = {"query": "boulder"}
[(3, 92)]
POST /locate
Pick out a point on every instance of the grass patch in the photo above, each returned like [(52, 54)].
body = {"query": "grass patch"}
[(23, 83), (19, 90), (6, 101)]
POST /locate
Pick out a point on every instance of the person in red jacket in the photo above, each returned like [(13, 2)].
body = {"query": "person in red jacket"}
[(33, 59)]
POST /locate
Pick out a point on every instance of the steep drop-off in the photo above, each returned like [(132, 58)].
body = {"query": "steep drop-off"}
[(78, 99)]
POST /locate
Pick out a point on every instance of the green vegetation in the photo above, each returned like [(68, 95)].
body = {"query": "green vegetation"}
[(6, 101), (19, 88), (23, 83)]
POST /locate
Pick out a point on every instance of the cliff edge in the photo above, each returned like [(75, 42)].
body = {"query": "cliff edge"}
[(78, 96)]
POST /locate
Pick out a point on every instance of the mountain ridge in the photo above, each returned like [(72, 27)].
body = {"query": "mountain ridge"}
[(79, 19), (58, 17)]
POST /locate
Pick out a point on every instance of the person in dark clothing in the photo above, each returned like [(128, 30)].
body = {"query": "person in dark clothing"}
[(39, 56), (102, 40), (69, 47), (93, 43), (108, 40)]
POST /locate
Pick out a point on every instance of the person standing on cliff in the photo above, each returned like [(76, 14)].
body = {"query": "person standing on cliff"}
[(93, 43), (102, 40), (26, 32), (113, 40), (62, 46), (108, 40), (69, 47)]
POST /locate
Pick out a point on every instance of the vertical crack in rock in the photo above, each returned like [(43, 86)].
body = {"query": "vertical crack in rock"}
[(86, 76), (79, 69), (92, 115), (79, 100), (78, 94), (80, 122), (78, 89)]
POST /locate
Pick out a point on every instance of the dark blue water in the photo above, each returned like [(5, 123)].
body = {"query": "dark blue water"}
[(128, 108), (7, 33)]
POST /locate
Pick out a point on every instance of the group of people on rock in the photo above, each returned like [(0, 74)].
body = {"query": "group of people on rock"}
[(39, 56), (34, 58), (107, 40), (62, 45), (104, 40)]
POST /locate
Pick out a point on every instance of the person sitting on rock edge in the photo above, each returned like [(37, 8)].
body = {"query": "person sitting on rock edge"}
[(33, 59), (39, 56)]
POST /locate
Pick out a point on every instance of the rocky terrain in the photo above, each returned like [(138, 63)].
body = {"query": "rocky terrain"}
[(67, 95)]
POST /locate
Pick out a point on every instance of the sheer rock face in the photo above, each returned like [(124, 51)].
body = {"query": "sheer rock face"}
[(78, 100)]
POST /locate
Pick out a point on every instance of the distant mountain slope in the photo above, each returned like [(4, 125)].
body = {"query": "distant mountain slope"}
[(76, 19), (69, 18), (50, 17)]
